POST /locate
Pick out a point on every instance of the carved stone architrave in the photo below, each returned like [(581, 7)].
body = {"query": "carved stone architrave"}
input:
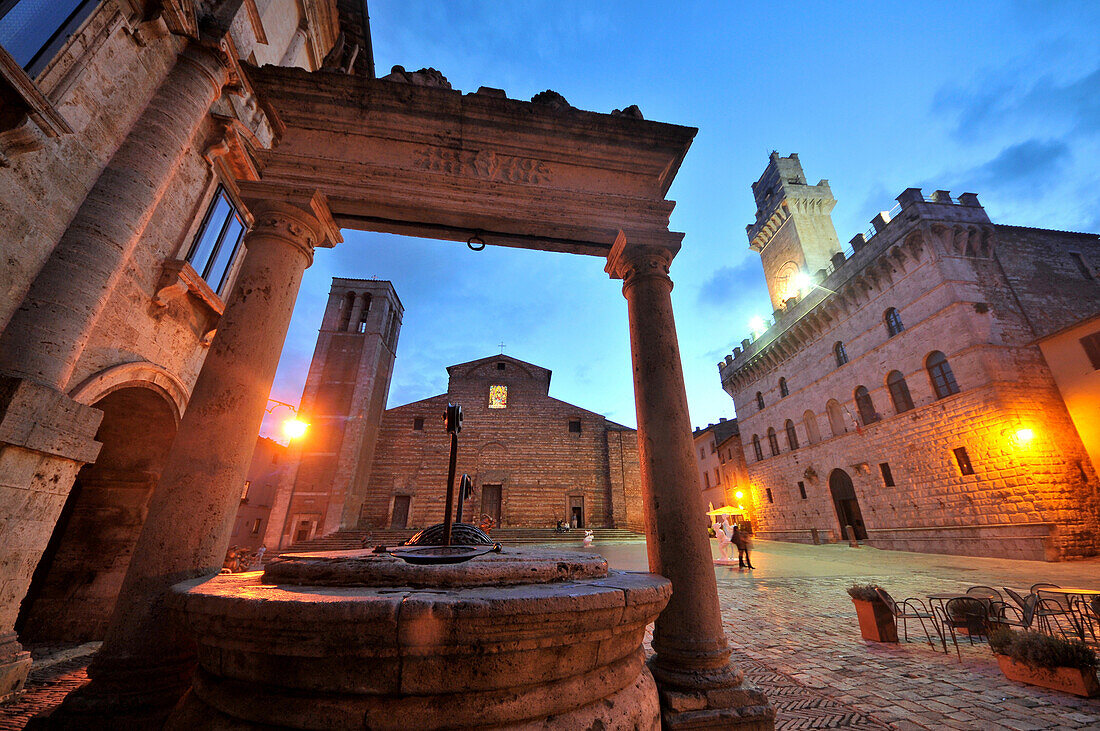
[(180, 17), (179, 279)]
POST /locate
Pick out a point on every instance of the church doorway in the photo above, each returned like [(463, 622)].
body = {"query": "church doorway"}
[(400, 517), (78, 578), (846, 504), (576, 511), (490, 502)]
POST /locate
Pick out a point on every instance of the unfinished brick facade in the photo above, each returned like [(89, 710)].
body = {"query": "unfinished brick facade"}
[(918, 408), (533, 459)]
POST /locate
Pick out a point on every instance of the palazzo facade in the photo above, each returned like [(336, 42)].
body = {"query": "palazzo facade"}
[(908, 391)]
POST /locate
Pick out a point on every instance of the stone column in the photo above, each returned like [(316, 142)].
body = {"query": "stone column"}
[(45, 436), (144, 666), (47, 335), (297, 42), (698, 685)]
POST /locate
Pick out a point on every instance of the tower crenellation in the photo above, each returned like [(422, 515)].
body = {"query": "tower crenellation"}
[(793, 231)]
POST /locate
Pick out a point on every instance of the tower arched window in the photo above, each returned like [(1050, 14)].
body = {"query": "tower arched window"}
[(941, 375), (837, 421), (345, 310), (866, 407), (364, 311), (759, 400), (812, 434), (792, 435), (759, 453), (783, 390), (899, 392), (840, 353), (773, 442), (893, 322)]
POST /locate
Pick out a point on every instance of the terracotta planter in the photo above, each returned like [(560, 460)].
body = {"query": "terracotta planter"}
[(1068, 680), (876, 623)]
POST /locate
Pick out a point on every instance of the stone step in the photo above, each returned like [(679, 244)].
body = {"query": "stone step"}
[(348, 540)]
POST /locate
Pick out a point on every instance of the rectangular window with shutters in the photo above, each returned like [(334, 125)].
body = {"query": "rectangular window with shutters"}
[(1082, 265), (706, 480), (887, 475), (1091, 344), (418, 423), (802, 489), (963, 460), (575, 426), (768, 492)]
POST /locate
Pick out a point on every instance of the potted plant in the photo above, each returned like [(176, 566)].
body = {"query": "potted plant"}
[(969, 616), (876, 621), (1049, 662)]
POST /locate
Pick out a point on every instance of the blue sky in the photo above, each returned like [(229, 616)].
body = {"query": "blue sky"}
[(997, 98)]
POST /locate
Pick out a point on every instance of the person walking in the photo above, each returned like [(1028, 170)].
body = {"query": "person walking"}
[(721, 532), (741, 540)]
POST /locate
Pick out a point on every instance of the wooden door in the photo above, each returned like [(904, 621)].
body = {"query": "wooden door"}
[(576, 511), (400, 517), (490, 502)]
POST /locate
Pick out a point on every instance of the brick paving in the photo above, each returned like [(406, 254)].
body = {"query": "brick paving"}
[(794, 633)]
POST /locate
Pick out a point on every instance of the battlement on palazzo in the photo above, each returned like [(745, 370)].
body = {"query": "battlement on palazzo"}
[(887, 228)]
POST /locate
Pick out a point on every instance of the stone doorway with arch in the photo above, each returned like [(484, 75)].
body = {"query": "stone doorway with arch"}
[(75, 585), (846, 504)]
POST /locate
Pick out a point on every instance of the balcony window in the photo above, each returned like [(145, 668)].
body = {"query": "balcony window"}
[(217, 242)]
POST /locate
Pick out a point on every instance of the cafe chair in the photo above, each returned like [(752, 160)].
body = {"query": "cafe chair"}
[(969, 613), (907, 609)]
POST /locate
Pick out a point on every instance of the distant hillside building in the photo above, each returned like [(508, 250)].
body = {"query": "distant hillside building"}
[(902, 389)]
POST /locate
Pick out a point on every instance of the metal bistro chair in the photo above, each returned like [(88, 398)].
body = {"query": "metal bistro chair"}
[(1024, 610), (1051, 610), (907, 609), (969, 613), (986, 592), (1085, 615)]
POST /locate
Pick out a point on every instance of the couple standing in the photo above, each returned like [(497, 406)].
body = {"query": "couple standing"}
[(731, 535)]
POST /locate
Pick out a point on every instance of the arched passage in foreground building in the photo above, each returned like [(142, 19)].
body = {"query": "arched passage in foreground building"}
[(79, 576), (846, 504)]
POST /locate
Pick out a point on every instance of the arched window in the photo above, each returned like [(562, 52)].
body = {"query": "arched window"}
[(836, 418), (792, 435), (759, 400), (939, 371), (756, 448), (840, 353), (893, 322), (810, 420), (783, 390), (899, 392), (364, 311), (866, 407), (345, 310), (773, 442)]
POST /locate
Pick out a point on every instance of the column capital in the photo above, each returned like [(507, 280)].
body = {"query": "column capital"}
[(302, 217), (629, 261)]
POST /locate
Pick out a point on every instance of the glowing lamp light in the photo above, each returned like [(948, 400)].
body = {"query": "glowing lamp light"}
[(739, 494), (802, 281), (757, 325), (295, 428), (1023, 436)]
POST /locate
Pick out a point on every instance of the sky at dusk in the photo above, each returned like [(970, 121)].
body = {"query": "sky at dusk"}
[(997, 98)]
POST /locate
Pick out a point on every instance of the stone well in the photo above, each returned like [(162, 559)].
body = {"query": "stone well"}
[(350, 639)]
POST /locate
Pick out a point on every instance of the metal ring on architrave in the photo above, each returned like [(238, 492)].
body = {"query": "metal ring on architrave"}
[(473, 242)]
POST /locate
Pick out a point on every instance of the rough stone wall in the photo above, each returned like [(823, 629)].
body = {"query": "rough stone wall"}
[(626, 479), (1030, 500), (527, 448)]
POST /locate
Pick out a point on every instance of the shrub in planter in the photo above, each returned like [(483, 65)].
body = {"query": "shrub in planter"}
[(969, 614), (1049, 662), (876, 621)]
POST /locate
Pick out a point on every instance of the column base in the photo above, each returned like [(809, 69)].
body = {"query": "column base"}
[(15, 665), (121, 694), (711, 699)]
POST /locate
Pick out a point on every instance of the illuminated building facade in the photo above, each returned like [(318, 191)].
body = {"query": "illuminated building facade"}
[(534, 460), (721, 462), (901, 393)]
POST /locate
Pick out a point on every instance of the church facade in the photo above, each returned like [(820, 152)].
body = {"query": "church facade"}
[(533, 459), (901, 393)]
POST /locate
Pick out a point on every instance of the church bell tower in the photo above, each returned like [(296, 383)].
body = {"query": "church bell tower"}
[(793, 231)]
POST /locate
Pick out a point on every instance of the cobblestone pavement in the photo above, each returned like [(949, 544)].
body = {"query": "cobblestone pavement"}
[(794, 633)]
